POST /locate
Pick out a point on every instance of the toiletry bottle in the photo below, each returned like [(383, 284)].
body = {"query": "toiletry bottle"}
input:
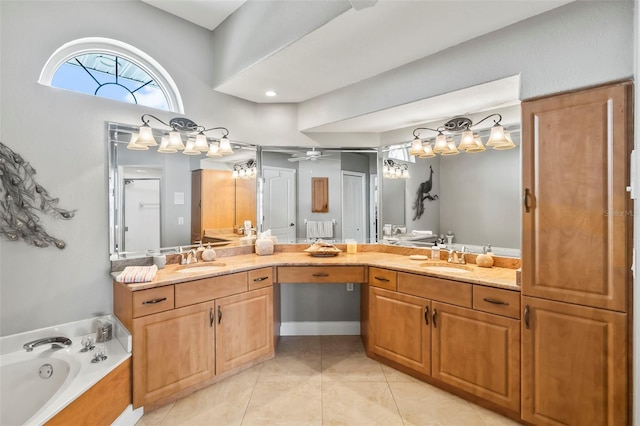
[(435, 252)]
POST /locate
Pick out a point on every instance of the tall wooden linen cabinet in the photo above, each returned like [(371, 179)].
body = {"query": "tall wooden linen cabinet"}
[(576, 257)]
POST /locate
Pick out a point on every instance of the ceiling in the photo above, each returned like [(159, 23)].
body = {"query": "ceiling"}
[(360, 44)]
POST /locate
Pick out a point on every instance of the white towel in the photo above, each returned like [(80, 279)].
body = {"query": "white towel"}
[(416, 232), (319, 229), (138, 274)]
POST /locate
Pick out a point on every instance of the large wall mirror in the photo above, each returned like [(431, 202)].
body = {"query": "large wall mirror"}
[(162, 201), (347, 195), (474, 196)]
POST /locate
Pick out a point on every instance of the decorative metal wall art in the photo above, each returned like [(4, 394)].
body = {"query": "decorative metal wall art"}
[(20, 198), (423, 193)]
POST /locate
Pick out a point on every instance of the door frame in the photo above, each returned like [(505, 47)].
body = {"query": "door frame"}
[(365, 232)]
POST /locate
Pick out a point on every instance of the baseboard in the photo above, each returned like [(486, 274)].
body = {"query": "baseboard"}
[(320, 328)]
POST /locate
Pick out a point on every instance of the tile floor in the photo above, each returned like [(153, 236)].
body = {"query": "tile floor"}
[(322, 380)]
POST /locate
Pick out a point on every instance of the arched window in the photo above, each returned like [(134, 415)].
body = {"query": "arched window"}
[(112, 69)]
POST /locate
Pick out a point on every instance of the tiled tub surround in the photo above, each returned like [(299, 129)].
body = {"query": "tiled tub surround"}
[(201, 298)]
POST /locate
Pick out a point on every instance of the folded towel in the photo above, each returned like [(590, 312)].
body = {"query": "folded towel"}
[(319, 229), (416, 232), (138, 274)]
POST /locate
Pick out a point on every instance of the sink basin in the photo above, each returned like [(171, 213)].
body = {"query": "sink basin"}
[(449, 269), (200, 268), (439, 266)]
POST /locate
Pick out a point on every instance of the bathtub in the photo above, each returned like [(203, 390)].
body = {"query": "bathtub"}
[(35, 386)]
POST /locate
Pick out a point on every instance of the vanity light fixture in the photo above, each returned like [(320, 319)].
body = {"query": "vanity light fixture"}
[(172, 142), (247, 170), (469, 141), (394, 170)]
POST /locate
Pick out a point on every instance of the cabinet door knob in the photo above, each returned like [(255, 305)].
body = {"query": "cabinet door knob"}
[(433, 318), (526, 316), (426, 315), (219, 314), (211, 317)]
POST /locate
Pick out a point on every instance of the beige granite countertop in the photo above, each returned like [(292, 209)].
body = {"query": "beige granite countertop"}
[(369, 255)]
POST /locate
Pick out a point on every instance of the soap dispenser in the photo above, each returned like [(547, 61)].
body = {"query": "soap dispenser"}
[(485, 260)]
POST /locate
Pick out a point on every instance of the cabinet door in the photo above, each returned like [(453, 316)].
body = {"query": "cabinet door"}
[(477, 352), (574, 361), (244, 328), (171, 351), (576, 224), (399, 328)]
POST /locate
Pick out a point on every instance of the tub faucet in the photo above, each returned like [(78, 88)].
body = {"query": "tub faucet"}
[(454, 258), (57, 342)]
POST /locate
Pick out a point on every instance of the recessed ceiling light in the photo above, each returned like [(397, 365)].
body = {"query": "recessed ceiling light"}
[(270, 93)]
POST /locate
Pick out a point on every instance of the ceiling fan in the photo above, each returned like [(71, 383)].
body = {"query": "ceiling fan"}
[(312, 155)]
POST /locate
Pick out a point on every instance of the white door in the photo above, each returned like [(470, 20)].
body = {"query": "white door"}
[(280, 203), (354, 221), (141, 214)]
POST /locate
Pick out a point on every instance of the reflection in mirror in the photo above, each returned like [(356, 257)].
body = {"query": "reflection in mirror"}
[(153, 205), (474, 196), (287, 202)]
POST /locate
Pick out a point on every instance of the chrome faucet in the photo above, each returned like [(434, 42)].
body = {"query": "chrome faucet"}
[(192, 256), (56, 342), (454, 258)]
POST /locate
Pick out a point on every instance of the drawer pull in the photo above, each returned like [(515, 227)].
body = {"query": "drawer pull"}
[(526, 316), (525, 200), (154, 301), (219, 314), (495, 301), (211, 317), (433, 318), (426, 315), (255, 280), (321, 274), (386, 280)]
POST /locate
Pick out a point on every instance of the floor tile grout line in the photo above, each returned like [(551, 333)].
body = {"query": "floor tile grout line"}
[(253, 389)]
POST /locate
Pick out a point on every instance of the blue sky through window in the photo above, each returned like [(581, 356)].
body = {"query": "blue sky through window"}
[(99, 73)]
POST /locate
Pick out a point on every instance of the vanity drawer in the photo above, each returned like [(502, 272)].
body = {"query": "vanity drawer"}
[(321, 274), (193, 292), (447, 291), (383, 278), (259, 278), (496, 301), (152, 301)]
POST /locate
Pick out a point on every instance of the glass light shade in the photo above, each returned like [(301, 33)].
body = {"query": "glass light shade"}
[(452, 148), (478, 147), (191, 148), (201, 143), (405, 174), (507, 145), (416, 147), (213, 150), (467, 140), (428, 152), (134, 145), (146, 136), (497, 136), (175, 141), (225, 146), (234, 175), (164, 146), (441, 144)]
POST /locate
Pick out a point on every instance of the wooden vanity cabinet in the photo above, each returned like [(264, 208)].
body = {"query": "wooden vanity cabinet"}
[(477, 352), (399, 328), (244, 328), (574, 364), (172, 351)]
